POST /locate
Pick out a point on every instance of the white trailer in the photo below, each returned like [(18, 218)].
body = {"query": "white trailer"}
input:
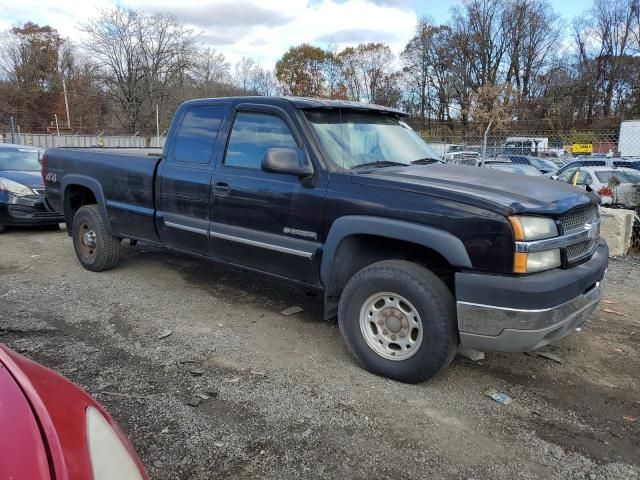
[(444, 149), (629, 140)]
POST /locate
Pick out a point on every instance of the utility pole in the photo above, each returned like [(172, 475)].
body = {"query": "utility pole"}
[(66, 103), (157, 126), (13, 130)]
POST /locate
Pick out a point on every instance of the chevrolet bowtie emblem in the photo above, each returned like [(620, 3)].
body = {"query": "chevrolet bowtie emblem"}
[(591, 228)]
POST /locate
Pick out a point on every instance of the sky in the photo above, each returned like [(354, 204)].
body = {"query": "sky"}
[(263, 29)]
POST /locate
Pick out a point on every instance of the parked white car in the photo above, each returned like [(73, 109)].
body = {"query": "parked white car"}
[(599, 161), (456, 152), (616, 186), (472, 159)]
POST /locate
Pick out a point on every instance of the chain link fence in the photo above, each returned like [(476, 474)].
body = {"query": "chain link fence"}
[(551, 143), (43, 140), (563, 144)]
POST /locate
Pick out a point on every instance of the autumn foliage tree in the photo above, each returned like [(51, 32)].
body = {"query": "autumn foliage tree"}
[(301, 71), (30, 65)]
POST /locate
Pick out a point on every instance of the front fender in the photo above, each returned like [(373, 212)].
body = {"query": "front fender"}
[(446, 244)]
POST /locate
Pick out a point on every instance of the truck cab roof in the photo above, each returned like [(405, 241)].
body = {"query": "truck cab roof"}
[(306, 103)]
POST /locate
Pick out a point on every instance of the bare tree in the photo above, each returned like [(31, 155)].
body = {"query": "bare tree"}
[(367, 70), (332, 72), (417, 62), (140, 59), (245, 74), (211, 68), (612, 27), (427, 63), (533, 32), (265, 82)]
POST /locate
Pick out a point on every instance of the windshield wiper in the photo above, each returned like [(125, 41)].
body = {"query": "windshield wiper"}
[(379, 164), (426, 161)]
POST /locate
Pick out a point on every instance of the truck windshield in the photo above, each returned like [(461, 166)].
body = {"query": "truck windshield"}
[(352, 140), (18, 159)]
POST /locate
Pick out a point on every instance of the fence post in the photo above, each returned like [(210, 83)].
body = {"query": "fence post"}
[(55, 115), (13, 130), (157, 125), (484, 142)]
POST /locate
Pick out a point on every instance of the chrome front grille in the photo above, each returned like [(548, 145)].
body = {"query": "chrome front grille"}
[(577, 221), (579, 250)]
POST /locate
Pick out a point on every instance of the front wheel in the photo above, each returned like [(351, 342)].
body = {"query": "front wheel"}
[(96, 249), (399, 321)]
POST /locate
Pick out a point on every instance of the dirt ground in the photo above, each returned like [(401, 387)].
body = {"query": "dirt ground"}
[(285, 400)]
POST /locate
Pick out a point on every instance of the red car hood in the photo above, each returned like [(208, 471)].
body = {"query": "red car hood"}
[(49, 411), (22, 452)]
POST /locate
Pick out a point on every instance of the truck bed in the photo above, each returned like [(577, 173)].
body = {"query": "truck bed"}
[(125, 178)]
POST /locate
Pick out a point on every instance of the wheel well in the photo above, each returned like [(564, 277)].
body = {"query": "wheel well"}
[(357, 251), (75, 197)]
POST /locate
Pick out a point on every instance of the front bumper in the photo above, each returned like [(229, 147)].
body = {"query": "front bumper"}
[(520, 314), (26, 211)]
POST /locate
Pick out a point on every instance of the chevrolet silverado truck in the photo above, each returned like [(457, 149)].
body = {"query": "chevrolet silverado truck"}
[(415, 257)]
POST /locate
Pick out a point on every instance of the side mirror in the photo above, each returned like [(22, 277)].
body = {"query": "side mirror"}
[(286, 161), (588, 181)]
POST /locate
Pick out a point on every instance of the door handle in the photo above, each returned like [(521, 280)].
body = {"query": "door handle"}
[(222, 188)]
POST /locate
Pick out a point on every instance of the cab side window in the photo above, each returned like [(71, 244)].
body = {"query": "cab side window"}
[(197, 134), (252, 135)]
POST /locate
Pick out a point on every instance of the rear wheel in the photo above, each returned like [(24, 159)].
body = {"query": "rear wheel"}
[(1, 228), (399, 321), (96, 249)]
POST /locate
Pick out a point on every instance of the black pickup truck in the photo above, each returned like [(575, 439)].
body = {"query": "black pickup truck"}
[(415, 257)]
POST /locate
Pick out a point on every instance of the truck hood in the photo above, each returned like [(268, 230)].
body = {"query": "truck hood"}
[(499, 192), (30, 178)]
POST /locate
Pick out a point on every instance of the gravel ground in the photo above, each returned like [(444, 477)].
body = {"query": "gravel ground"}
[(280, 396)]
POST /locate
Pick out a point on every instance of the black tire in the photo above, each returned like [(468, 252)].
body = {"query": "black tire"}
[(105, 253), (1, 228), (428, 295)]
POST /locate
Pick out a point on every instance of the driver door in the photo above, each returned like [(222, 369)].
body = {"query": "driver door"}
[(265, 221)]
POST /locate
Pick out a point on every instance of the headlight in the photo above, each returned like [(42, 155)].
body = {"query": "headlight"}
[(533, 228), (110, 459), (15, 187), (529, 229), (536, 261)]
